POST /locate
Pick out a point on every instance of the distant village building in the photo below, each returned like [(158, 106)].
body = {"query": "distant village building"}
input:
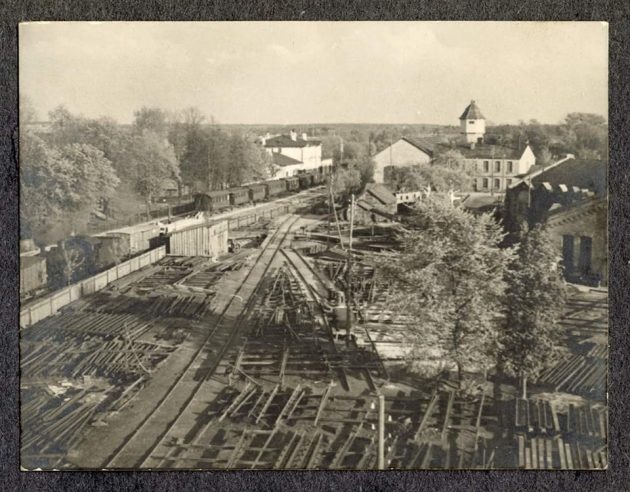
[(493, 167), (570, 197), (293, 154)]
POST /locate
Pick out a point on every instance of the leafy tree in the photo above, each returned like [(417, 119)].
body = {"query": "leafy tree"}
[(449, 278), (153, 160), (587, 133), (448, 158), (151, 119), (61, 181), (345, 182), (423, 176), (535, 297), (194, 160)]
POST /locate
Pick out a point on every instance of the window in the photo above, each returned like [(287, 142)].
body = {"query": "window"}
[(497, 184), (509, 182), (485, 183), (471, 122), (497, 166), (586, 252), (486, 166), (510, 167)]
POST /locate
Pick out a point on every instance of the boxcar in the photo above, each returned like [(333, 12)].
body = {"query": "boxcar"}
[(275, 187), (33, 274), (257, 193), (212, 201), (305, 181), (238, 196), (293, 183), (318, 178)]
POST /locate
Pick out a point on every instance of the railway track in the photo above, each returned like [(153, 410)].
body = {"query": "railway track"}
[(295, 260), (158, 426)]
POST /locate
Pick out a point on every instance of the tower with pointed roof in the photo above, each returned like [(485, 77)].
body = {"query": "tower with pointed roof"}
[(473, 124)]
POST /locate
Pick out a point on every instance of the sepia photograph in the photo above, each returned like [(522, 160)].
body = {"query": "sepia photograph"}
[(313, 245)]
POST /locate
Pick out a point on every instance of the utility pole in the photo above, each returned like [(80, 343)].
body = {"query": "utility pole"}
[(381, 432), (349, 277), (330, 205)]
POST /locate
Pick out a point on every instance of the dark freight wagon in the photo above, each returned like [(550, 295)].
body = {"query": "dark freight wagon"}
[(239, 196), (305, 181), (257, 193), (275, 187), (212, 201), (293, 184), (33, 274)]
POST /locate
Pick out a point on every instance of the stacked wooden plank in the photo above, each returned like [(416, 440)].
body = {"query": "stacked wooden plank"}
[(587, 420), (535, 415), (578, 374), (51, 426), (556, 453)]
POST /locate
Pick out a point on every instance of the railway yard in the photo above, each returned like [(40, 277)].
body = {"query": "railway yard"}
[(240, 362)]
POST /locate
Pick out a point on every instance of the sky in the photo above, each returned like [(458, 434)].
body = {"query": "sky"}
[(318, 72)]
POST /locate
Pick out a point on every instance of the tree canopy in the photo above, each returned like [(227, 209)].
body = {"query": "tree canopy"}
[(420, 177), (450, 279), (61, 181), (529, 341)]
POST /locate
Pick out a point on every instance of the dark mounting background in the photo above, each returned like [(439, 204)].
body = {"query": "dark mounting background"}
[(617, 13)]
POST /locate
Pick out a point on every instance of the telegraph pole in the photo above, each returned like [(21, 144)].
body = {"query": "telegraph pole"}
[(381, 432), (349, 277)]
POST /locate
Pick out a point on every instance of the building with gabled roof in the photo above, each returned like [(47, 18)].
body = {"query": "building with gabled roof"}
[(293, 154), (494, 167), (570, 198), (406, 151)]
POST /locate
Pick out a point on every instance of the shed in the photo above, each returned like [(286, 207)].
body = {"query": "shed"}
[(33, 274), (203, 240), (376, 204), (137, 238)]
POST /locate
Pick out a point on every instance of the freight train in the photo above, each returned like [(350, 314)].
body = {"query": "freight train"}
[(78, 257), (216, 201)]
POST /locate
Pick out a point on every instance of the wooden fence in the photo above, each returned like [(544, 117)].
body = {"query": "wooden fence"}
[(52, 303)]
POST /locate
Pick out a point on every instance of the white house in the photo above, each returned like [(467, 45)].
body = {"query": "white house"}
[(293, 154)]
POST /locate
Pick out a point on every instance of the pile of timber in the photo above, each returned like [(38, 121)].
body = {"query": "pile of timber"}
[(535, 416), (579, 374), (558, 454)]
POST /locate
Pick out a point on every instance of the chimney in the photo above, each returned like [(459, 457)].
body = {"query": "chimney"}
[(304, 136), (293, 135)]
